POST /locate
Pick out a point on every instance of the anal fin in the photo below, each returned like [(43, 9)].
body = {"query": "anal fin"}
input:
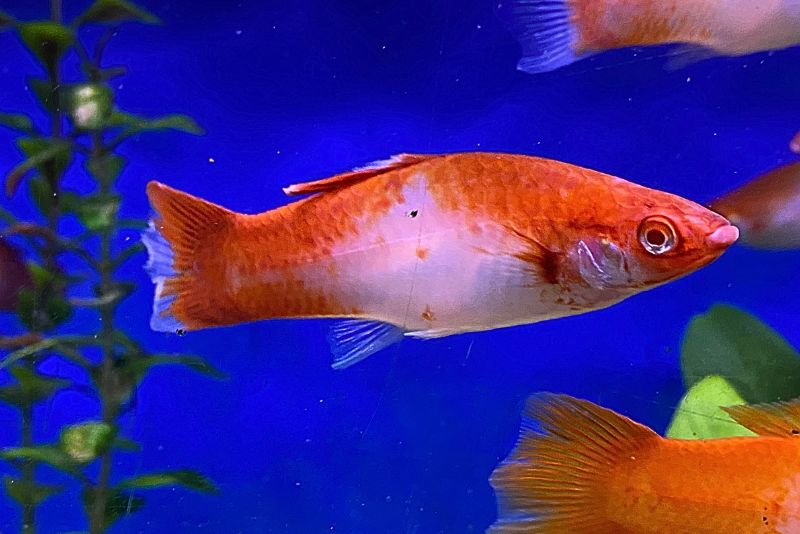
[(353, 340)]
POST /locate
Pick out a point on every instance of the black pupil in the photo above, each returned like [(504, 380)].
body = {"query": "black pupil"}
[(656, 238)]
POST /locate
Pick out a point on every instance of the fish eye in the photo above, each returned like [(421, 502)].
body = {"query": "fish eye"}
[(657, 235)]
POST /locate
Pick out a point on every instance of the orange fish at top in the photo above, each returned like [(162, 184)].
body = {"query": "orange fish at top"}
[(555, 33), (582, 469), (425, 246)]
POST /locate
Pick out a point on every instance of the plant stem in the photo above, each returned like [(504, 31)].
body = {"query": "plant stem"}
[(50, 252), (28, 470), (110, 406)]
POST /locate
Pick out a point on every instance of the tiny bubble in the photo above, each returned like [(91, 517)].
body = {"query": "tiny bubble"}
[(383, 47), (211, 160), (297, 484), (479, 26), (688, 79), (238, 32)]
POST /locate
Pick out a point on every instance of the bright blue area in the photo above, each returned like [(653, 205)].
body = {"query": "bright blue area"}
[(404, 441)]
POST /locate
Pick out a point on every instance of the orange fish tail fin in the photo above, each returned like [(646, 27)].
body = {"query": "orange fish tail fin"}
[(177, 241), (546, 30), (555, 478), (776, 419)]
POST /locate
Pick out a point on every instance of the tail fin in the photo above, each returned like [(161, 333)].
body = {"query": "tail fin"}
[(179, 242), (553, 480), (546, 30)]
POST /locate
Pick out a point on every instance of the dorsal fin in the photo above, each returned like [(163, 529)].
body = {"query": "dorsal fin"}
[(360, 174), (554, 479), (776, 419)]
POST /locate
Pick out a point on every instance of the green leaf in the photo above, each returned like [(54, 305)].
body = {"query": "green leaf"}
[(39, 314), (757, 361), (41, 453), (28, 351), (142, 364), (89, 105), (699, 415), (115, 11), (125, 444), (45, 94), (31, 387), (96, 212), (46, 40), (181, 477), (17, 121), (28, 493), (105, 169), (86, 441), (40, 152), (135, 124), (118, 504)]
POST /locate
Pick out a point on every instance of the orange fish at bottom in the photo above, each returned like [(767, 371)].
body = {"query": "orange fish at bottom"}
[(425, 246), (582, 469)]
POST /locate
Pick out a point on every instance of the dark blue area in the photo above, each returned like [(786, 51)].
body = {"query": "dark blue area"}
[(404, 441)]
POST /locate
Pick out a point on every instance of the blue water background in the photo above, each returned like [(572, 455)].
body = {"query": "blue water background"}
[(404, 441)]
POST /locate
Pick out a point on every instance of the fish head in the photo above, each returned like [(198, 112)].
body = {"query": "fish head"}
[(645, 244)]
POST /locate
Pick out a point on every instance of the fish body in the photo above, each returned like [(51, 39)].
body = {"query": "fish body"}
[(555, 33), (425, 246), (14, 276), (579, 468), (767, 209)]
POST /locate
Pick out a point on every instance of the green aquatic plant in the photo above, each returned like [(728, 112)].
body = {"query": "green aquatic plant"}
[(730, 357), (84, 129)]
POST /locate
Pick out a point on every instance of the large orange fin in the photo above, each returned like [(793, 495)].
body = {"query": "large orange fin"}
[(775, 419), (553, 481), (176, 237), (340, 181)]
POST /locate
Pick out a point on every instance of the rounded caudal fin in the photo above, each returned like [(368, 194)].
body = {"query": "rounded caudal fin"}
[(546, 31), (554, 479), (177, 242)]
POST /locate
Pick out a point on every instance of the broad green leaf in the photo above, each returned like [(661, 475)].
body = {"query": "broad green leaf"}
[(89, 105), (180, 477), (17, 121), (757, 361), (46, 40), (41, 153), (699, 415), (135, 124), (115, 11), (118, 504), (48, 454), (105, 169), (86, 441), (26, 492)]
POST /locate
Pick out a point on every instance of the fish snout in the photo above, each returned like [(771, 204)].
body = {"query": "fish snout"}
[(723, 237)]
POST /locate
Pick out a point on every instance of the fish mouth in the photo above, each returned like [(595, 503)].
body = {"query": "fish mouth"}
[(723, 237)]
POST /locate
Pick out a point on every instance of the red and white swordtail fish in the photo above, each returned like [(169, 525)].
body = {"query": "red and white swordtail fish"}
[(555, 33), (425, 246)]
